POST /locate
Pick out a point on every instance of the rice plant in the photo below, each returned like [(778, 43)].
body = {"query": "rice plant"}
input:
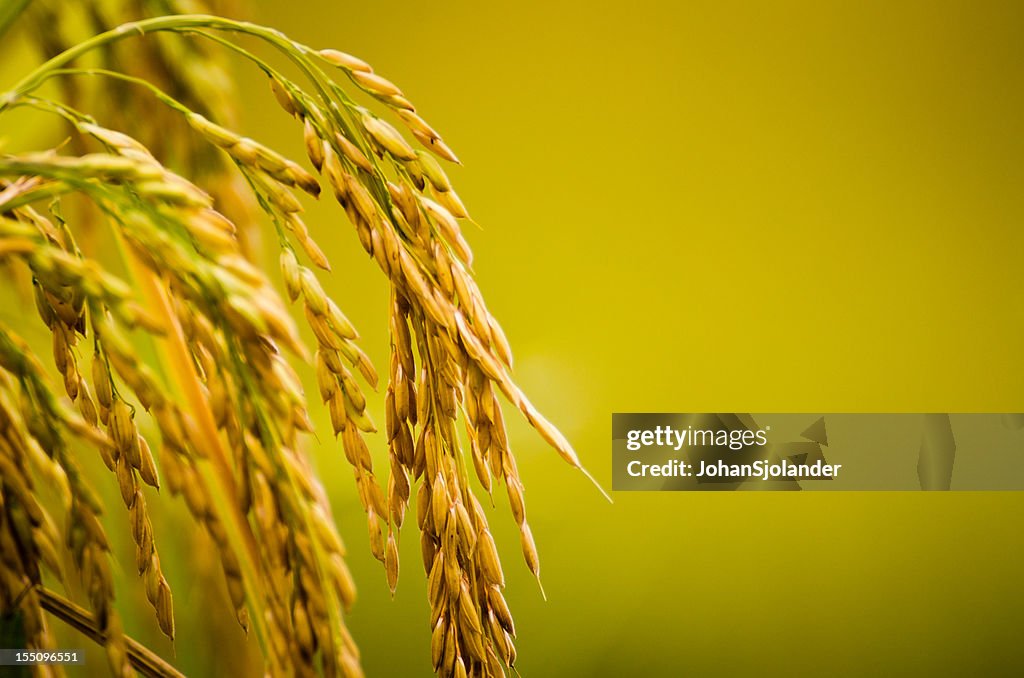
[(173, 353)]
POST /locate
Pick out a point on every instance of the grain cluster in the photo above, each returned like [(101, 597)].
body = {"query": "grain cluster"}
[(221, 419)]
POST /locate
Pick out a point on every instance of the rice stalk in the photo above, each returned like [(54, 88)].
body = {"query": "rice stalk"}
[(227, 403)]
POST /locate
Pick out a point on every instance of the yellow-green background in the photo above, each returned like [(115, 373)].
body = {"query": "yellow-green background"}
[(714, 206)]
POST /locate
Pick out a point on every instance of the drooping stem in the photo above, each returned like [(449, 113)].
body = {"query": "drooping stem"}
[(178, 23), (142, 658)]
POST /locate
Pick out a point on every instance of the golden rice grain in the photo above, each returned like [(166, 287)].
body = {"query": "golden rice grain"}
[(343, 60)]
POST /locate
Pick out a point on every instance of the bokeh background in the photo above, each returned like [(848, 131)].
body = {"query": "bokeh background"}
[(702, 206)]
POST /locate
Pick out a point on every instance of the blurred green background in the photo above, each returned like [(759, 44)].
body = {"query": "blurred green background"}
[(707, 206)]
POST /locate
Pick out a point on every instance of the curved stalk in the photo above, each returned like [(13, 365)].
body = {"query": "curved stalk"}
[(174, 23), (143, 660)]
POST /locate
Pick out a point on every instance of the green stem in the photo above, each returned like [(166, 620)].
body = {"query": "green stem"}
[(177, 23), (141, 82), (296, 52)]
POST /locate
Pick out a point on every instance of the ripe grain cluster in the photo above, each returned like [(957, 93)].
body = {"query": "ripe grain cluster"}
[(221, 418)]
